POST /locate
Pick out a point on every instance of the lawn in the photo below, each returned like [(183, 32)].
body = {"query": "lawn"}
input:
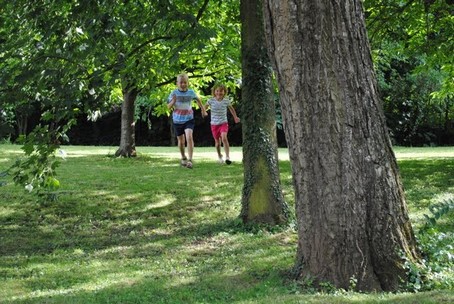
[(145, 230)]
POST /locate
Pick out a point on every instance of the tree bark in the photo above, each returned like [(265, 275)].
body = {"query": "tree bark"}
[(350, 206), (127, 139), (262, 200)]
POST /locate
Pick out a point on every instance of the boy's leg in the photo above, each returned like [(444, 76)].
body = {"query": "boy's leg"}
[(190, 143), (179, 131), (181, 147)]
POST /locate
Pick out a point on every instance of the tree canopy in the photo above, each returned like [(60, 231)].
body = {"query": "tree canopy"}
[(77, 56), (80, 57), (80, 52), (412, 45)]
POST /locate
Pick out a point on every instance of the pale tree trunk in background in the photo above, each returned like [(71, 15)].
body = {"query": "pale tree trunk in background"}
[(350, 206), (262, 201), (21, 123), (127, 140), (173, 137)]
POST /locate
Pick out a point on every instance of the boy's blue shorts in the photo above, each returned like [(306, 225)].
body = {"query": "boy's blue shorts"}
[(179, 128)]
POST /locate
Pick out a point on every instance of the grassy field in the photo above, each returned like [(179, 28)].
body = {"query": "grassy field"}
[(145, 230)]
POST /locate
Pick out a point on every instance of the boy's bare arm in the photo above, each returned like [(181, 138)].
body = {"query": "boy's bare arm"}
[(199, 103), (172, 102)]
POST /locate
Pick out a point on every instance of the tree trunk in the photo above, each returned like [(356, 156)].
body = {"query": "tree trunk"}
[(350, 206), (262, 200), (127, 140), (21, 123), (173, 137)]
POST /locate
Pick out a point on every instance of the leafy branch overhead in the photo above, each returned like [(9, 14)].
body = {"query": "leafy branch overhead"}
[(87, 46)]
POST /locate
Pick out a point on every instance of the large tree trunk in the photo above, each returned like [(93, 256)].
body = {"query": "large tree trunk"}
[(350, 206), (127, 140), (262, 200)]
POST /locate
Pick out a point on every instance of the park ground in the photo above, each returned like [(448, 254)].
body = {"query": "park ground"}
[(146, 230)]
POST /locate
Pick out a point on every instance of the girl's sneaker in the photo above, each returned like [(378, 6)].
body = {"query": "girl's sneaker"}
[(220, 160), (184, 161)]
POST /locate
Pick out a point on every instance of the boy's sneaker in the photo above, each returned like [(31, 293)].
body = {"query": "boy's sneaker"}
[(228, 161), (220, 160), (189, 164), (184, 161)]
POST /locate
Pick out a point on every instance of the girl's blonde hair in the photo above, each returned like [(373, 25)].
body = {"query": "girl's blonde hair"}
[(219, 86)]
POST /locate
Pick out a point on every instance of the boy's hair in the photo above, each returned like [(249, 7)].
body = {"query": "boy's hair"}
[(219, 86), (182, 76)]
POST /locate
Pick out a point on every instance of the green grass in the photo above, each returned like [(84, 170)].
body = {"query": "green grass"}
[(145, 230)]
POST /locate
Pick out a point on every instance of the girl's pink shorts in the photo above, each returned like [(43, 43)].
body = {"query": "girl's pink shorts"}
[(216, 130)]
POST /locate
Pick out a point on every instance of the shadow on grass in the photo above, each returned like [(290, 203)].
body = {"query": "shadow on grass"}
[(66, 282), (424, 179), (437, 172)]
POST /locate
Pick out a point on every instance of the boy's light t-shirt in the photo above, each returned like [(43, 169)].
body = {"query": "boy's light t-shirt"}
[(183, 106)]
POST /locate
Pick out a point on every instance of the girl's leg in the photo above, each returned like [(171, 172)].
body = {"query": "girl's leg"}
[(217, 144), (225, 142), (217, 141)]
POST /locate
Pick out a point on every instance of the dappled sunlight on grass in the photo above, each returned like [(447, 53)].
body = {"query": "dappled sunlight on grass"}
[(418, 215), (10, 150), (163, 200), (426, 182), (96, 284), (6, 211), (5, 161), (141, 229)]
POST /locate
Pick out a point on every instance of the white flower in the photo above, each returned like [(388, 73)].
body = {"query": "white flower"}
[(29, 187)]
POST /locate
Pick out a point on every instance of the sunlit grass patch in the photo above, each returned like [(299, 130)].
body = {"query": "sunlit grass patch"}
[(423, 152)]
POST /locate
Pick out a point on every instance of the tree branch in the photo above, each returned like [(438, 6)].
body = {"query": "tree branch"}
[(142, 45)]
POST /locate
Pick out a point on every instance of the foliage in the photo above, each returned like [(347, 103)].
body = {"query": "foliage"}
[(88, 49), (439, 210), (429, 190), (37, 170), (412, 115), (436, 245), (411, 43)]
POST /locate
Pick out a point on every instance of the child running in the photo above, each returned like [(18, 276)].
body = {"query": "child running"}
[(219, 123), (180, 100)]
